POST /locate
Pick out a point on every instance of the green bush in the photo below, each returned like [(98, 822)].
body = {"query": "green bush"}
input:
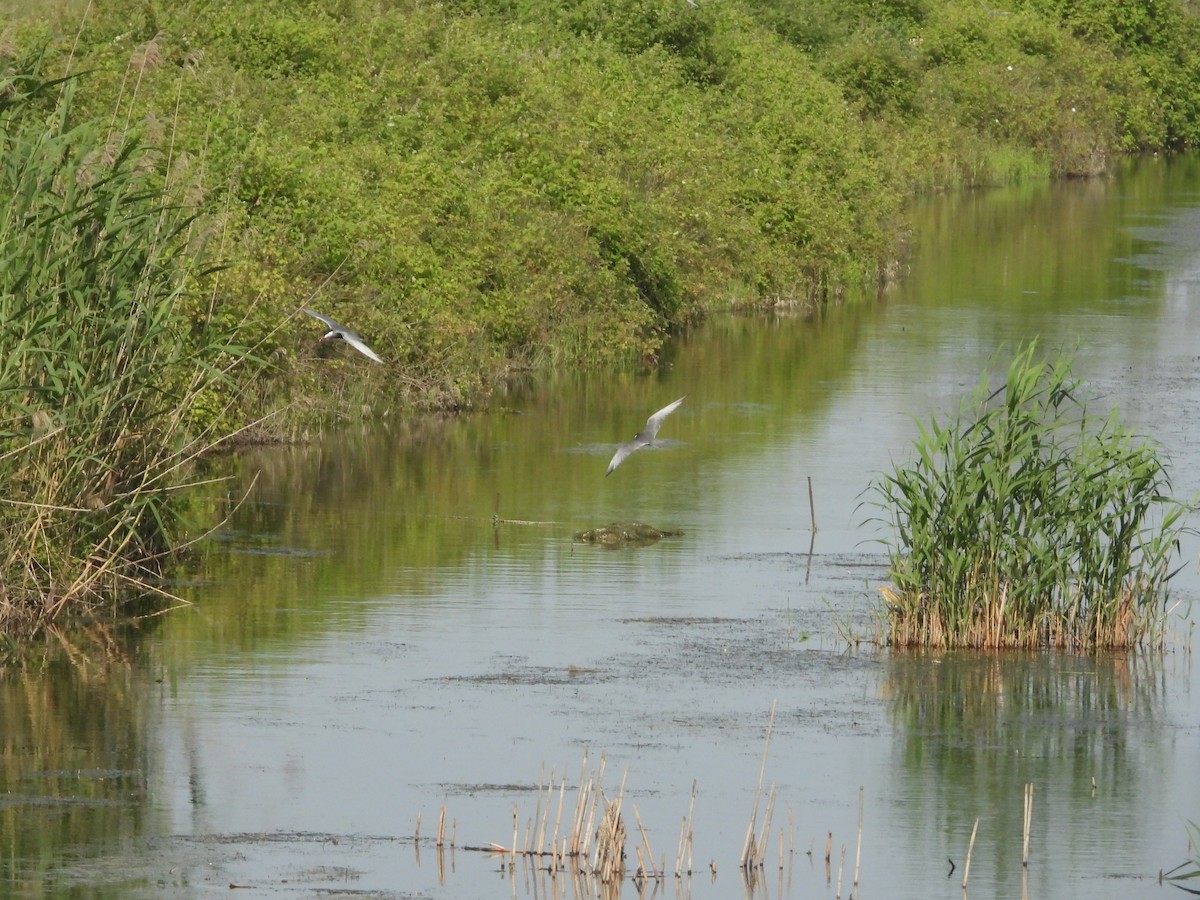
[(499, 185)]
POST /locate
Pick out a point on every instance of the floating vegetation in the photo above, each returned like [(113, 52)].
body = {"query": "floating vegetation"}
[(625, 534), (1030, 522)]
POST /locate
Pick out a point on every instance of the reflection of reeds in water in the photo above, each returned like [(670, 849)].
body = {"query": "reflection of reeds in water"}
[(969, 724), (74, 751)]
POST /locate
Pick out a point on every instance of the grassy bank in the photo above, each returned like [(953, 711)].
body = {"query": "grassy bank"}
[(539, 182)]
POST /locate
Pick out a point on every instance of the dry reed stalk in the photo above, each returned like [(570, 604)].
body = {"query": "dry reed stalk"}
[(764, 840), (645, 839), (1028, 822), (441, 832), (812, 508), (679, 848), (970, 849), (588, 802), (516, 829), (539, 815), (583, 800), (841, 863), (828, 845), (749, 851), (858, 852), (417, 833), (562, 793), (609, 863), (691, 810)]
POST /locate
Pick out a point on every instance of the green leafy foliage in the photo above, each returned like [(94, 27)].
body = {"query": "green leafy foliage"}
[(485, 185)]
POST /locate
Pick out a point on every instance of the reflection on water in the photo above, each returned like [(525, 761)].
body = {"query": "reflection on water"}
[(399, 619), (74, 749), (972, 729)]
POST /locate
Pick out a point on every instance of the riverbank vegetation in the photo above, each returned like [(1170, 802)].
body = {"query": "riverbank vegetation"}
[(1028, 522), (483, 185), (109, 363), (478, 187)]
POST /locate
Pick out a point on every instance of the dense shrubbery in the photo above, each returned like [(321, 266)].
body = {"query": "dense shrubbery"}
[(511, 182)]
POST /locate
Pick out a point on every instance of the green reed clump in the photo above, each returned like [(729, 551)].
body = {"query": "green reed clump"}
[(103, 365), (1030, 522)]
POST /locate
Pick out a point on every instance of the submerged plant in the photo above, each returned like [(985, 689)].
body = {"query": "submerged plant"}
[(104, 367), (1030, 522)]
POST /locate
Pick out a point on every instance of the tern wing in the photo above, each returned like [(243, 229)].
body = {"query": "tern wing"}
[(356, 342), (333, 326), (655, 421), (622, 454)]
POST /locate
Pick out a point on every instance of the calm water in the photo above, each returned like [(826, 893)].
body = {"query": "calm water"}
[(365, 645)]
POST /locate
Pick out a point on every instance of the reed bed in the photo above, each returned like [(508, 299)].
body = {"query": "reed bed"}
[(113, 371), (1029, 522)]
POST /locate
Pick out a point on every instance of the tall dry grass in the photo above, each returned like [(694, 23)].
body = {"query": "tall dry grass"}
[(108, 356)]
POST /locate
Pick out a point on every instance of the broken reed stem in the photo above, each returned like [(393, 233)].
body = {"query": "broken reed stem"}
[(764, 840), (691, 810), (562, 794), (516, 829), (841, 863), (417, 833), (858, 852), (749, 852), (679, 848), (812, 507), (441, 834), (540, 815), (828, 845), (1028, 822), (970, 848), (645, 840), (685, 836)]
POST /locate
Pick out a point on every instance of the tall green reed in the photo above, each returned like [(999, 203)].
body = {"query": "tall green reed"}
[(107, 356), (1028, 521)]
